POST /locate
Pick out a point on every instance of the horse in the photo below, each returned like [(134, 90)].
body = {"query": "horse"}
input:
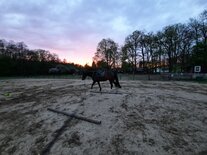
[(102, 75)]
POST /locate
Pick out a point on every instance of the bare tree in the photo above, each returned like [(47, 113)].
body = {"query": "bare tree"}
[(107, 51), (133, 42)]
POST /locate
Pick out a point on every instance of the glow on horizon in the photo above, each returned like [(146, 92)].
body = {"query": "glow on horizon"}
[(80, 56), (77, 60)]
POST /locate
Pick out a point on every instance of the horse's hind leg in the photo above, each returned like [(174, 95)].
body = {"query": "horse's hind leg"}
[(111, 82), (115, 83), (99, 85), (93, 84)]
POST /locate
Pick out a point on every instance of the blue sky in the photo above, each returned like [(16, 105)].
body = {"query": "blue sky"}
[(73, 28)]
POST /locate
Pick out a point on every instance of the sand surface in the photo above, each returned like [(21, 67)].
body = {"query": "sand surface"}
[(143, 117)]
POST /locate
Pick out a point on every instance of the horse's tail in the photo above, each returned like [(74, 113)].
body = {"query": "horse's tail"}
[(117, 84)]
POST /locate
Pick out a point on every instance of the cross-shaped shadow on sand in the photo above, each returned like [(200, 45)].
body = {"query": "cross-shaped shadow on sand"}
[(59, 132)]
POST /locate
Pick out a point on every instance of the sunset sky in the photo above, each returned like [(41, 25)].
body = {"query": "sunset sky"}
[(73, 28)]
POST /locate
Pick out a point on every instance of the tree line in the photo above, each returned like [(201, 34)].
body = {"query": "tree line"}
[(176, 48), (16, 59)]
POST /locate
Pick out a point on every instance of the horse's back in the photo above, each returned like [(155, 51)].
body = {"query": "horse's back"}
[(103, 75)]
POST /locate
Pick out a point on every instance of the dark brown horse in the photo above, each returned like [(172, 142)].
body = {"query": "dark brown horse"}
[(102, 75)]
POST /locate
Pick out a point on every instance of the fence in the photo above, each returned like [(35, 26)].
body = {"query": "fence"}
[(164, 76)]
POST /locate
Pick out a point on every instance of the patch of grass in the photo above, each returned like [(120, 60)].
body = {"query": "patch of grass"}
[(201, 80)]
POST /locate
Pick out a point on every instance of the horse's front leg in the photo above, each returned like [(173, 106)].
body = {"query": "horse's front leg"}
[(93, 84), (99, 85)]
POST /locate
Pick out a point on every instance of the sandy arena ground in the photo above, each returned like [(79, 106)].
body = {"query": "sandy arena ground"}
[(143, 117)]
